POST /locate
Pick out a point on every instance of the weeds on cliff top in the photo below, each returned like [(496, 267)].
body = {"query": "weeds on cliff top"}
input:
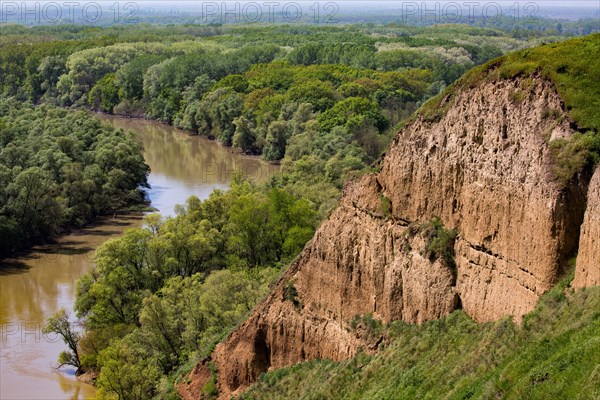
[(553, 355), (572, 66)]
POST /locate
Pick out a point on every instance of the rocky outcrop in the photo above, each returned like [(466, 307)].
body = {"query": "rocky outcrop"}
[(486, 169), (587, 272)]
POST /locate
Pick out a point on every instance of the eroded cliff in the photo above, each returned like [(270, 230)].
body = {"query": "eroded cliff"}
[(486, 169), (587, 272)]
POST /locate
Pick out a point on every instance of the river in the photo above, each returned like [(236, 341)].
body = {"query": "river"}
[(36, 285)]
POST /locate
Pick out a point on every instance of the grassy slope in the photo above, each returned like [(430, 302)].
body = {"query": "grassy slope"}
[(573, 66), (554, 354)]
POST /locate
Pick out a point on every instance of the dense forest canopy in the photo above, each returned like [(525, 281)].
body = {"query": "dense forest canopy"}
[(323, 100), (60, 169)]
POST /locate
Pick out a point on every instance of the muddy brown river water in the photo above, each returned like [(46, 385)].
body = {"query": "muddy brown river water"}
[(38, 284)]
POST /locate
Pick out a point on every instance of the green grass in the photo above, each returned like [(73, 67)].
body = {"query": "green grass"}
[(573, 67), (554, 354)]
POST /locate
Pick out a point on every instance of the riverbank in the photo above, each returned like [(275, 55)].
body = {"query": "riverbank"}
[(143, 117), (38, 283), (34, 287)]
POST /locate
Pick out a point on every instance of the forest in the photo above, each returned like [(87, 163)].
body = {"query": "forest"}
[(60, 169), (162, 295), (324, 102)]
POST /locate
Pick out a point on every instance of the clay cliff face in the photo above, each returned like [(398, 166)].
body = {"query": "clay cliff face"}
[(486, 170), (587, 272)]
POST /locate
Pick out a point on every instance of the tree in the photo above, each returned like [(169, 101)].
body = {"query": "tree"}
[(130, 77), (59, 324), (316, 92), (104, 95), (276, 140), (347, 112), (128, 369), (216, 113), (31, 200), (202, 84), (235, 81), (244, 137), (250, 233)]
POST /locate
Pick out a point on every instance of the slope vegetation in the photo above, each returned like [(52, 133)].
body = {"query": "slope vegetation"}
[(553, 355), (478, 205)]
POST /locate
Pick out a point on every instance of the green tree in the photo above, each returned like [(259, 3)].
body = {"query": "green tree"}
[(318, 93), (216, 113), (104, 95), (31, 201), (130, 77), (128, 370), (59, 324), (237, 82), (244, 136), (276, 140), (347, 112)]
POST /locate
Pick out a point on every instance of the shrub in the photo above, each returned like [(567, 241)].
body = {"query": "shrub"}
[(372, 327), (550, 113), (210, 389), (440, 241), (573, 154), (385, 206), (517, 96), (291, 293)]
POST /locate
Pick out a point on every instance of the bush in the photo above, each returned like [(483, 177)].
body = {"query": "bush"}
[(573, 154), (210, 389), (385, 206), (373, 328), (291, 293), (440, 241)]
